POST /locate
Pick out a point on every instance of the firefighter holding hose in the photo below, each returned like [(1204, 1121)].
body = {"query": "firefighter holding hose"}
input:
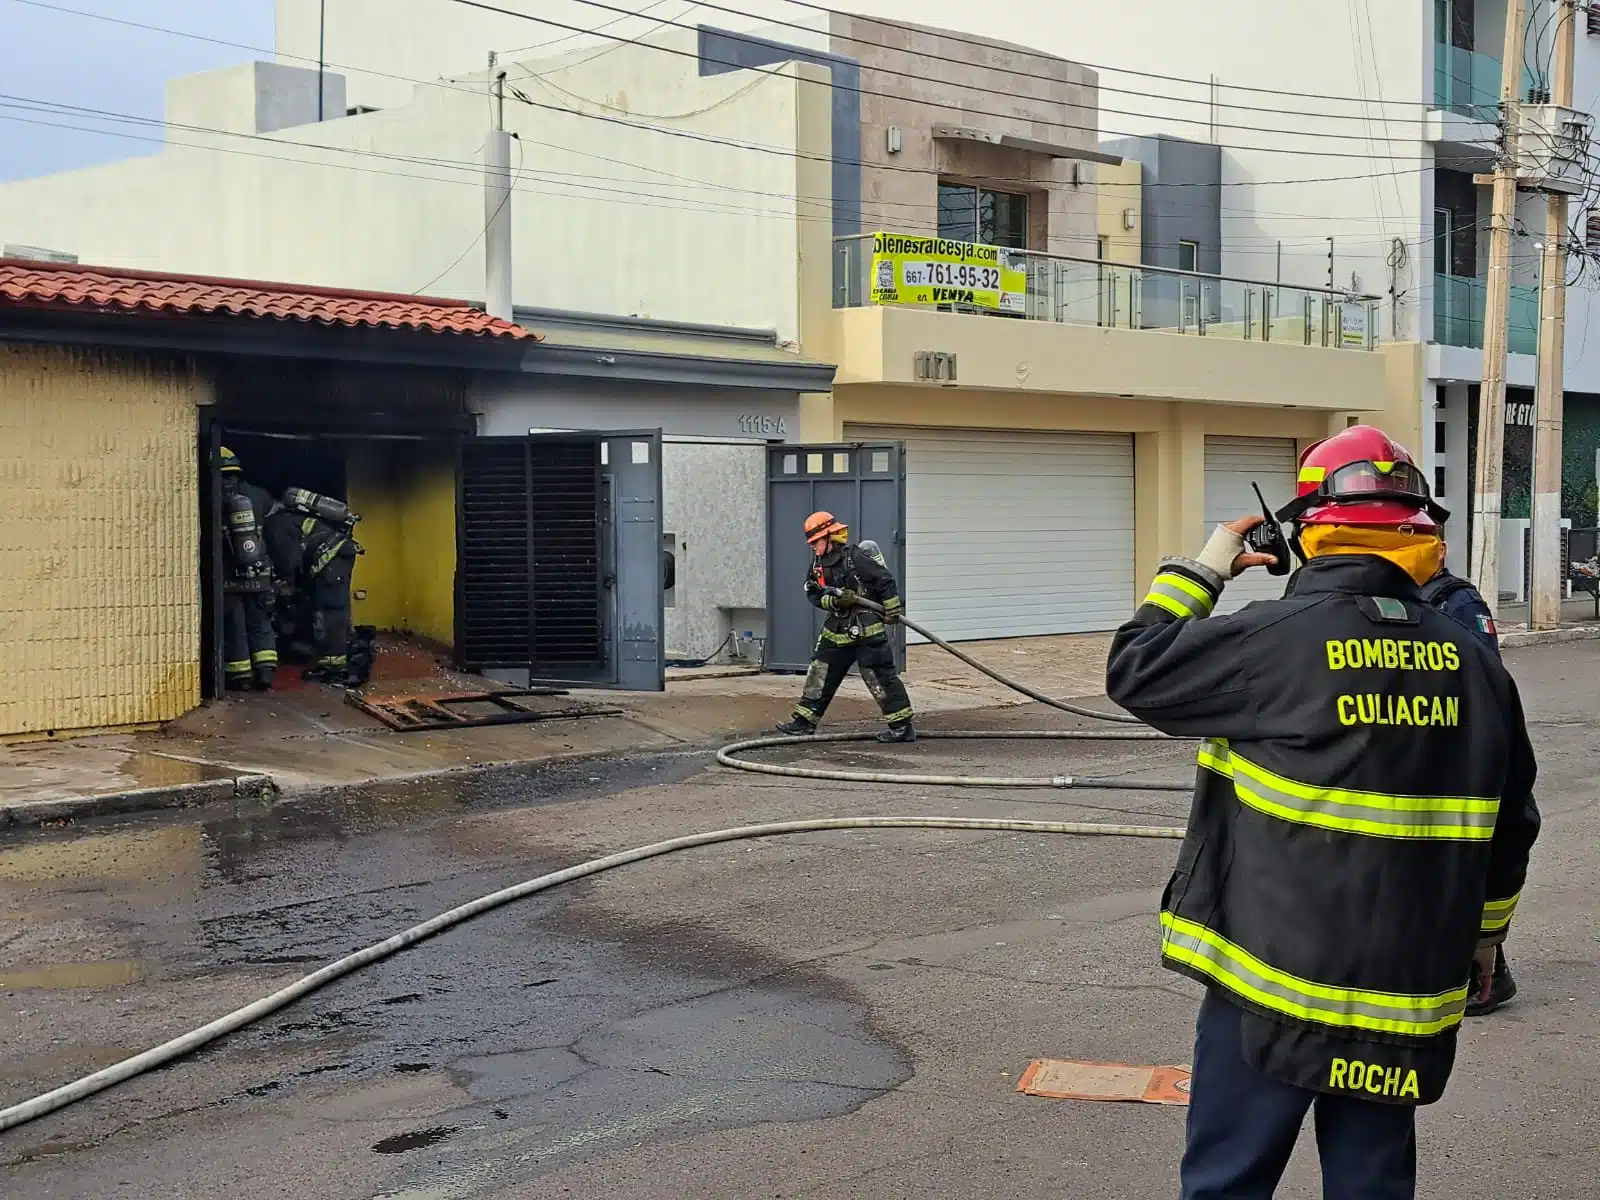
[(1359, 833), (841, 575)]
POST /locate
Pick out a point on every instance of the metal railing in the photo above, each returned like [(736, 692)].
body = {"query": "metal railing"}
[(1458, 307), (1084, 291)]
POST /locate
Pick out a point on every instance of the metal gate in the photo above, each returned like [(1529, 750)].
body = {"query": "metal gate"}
[(558, 561), (860, 483)]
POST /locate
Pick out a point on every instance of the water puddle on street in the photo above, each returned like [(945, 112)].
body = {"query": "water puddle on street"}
[(79, 862), (59, 976)]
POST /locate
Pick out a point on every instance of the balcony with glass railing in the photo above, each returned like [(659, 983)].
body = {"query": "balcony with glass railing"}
[(1083, 291), (1467, 83), (1458, 308)]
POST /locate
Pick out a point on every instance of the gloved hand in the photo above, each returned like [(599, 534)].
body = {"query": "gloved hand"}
[(892, 617), (846, 599), (1225, 552)]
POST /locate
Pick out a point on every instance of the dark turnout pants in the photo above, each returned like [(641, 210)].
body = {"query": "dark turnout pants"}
[(1243, 1126), (249, 642), (830, 663), (330, 612)]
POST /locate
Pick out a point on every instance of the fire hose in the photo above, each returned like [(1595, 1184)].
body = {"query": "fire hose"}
[(157, 1056)]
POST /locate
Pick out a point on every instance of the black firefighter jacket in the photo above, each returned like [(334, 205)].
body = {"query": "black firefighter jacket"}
[(1361, 819), (852, 568)]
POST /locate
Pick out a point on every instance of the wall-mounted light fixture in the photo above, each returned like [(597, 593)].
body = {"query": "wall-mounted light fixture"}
[(894, 140), (1128, 218)]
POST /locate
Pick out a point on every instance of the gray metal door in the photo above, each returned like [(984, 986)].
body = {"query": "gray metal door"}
[(861, 484), (558, 574), (630, 469)]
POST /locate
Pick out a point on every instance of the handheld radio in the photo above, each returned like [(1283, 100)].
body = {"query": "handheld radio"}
[(1268, 538)]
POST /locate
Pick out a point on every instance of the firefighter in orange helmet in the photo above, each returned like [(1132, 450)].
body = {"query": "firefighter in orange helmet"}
[(840, 576)]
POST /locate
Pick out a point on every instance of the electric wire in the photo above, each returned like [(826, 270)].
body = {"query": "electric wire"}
[(946, 35), (699, 57), (472, 170)]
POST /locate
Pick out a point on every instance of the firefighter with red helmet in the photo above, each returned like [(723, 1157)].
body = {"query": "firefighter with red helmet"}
[(841, 574), (1459, 600), (1359, 836)]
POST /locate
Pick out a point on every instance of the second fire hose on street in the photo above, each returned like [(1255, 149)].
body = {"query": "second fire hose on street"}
[(729, 756)]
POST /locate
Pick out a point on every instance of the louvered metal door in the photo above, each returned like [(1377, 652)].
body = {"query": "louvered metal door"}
[(558, 561), (530, 593)]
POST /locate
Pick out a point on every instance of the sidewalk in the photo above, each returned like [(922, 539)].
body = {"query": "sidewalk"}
[(305, 738)]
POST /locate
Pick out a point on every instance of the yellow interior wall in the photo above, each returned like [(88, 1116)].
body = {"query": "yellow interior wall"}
[(406, 495), (99, 542), (428, 527)]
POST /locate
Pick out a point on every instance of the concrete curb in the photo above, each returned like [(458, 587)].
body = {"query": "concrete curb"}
[(181, 795), (1548, 637)]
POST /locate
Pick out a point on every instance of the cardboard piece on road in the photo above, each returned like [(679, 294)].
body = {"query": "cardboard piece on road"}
[(1063, 1079)]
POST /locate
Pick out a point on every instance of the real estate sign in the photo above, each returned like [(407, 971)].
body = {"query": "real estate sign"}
[(929, 270)]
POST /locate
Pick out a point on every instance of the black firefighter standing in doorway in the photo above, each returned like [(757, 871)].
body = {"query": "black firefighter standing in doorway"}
[(313, 537), (841, 575), (249, 644)]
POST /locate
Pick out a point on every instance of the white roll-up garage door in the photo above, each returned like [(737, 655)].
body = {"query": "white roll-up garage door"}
[(1231, 464), (1016, 534)]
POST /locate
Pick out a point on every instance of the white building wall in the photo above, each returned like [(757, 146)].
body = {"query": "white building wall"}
[(609, 216), (1301, 48)]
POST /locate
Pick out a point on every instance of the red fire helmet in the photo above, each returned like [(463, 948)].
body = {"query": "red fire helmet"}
[(1361, 476)]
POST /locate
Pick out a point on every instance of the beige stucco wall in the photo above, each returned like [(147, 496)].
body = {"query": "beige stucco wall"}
[(880, 344), (1120, 191), (99, 587)]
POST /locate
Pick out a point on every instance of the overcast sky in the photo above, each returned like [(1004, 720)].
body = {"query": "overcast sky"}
[(66, 59)]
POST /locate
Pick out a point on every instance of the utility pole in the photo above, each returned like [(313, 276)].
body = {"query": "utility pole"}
[(497, 200), (1496, 310), (1548, 570)]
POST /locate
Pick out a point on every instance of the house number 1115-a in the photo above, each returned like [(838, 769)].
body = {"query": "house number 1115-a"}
[(764, 425)]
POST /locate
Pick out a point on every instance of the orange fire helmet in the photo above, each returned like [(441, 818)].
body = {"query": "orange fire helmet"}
[(820, 526)]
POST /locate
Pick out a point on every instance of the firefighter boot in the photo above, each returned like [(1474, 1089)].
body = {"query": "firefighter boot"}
[(1501, 989), (897, 733), (796, 726)]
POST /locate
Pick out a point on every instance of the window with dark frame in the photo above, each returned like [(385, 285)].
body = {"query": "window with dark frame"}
[(974, 214), (1188, 256)]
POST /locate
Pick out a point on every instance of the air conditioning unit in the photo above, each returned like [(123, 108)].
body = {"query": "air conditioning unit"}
[(1553, 148)]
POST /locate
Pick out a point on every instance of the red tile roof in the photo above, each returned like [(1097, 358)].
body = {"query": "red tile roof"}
[(26, 284)]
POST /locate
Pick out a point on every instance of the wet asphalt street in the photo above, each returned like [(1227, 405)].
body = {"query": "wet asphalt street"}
[(830, 1015)]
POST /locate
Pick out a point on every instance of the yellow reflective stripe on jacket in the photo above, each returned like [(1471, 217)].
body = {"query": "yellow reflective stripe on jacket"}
[(329, 553), (1179, 595), (1235, 968), (841, 637), (892, 603), (1497, 914), (1451, 818)]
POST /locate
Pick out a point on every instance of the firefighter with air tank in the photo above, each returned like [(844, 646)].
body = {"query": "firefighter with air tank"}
[(840, 576), (249, 643), (313, 548), (1360, 828)]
